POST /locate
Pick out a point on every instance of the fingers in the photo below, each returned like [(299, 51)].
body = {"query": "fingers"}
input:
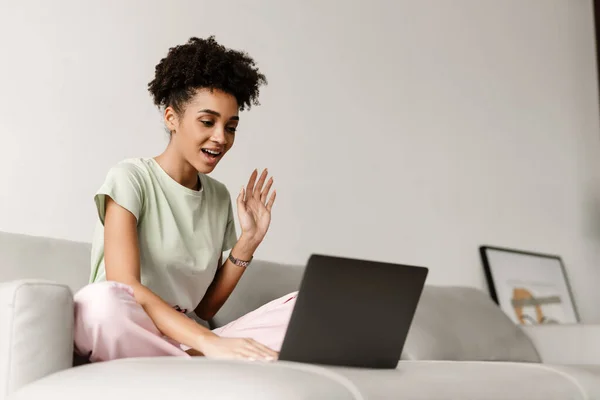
[(265, 192), (254, 350), (259, 352), (259, 184), (266, 350), (254, 355), (271, 200), (255, 188), (240, 200), (251, 181), (239, 348)]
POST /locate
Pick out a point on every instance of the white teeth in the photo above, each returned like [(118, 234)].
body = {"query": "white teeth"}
[(213, 152)]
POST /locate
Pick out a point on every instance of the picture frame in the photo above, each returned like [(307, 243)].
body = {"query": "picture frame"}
[(531, 288)]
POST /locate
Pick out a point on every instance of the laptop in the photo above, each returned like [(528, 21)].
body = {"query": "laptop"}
[(352, 313)]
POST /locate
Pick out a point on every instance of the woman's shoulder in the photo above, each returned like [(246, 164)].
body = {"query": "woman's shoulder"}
[(129, 172), (125, 183), (136, 168)]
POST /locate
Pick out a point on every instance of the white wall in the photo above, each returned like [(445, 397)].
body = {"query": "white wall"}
[(406, 131)]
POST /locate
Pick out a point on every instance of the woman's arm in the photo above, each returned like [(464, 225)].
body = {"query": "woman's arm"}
[(254, 213), (122, 263), (226, 279)]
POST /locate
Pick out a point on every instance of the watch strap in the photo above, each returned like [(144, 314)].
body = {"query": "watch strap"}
[(238, 262)]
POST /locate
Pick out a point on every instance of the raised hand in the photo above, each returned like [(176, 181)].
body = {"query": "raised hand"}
[(254, 206)]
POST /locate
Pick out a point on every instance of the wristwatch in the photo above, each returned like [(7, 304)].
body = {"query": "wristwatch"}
[(238, 262)]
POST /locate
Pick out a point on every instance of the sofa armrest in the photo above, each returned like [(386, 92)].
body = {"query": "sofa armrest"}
[(566, 344), (36, 331)]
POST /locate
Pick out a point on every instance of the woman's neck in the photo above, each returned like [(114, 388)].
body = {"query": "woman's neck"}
[(178, 169)]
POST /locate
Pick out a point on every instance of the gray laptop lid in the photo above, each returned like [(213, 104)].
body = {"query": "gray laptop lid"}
[(352, 312)]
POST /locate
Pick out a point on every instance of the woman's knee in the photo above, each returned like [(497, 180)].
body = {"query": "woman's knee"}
[(102, 303)]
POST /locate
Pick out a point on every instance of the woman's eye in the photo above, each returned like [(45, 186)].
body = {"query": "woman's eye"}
[(231, 129), (208, 123)]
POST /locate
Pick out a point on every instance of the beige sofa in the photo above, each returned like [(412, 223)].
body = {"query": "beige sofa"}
[(461, 346)]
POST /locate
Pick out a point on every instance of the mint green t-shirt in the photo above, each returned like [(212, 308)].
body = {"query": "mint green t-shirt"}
[(181, 232)]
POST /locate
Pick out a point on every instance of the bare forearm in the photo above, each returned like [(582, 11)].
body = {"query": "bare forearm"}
[(226, 278), (170, 322), (122, 259)]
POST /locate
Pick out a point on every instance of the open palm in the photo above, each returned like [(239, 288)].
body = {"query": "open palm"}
[(254, 206)]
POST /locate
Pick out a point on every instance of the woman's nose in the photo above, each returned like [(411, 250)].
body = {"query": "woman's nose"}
[(219, 136)]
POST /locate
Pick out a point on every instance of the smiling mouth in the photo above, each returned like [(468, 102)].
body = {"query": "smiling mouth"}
[(212, 153)]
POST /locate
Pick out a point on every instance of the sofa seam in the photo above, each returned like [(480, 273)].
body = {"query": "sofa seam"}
[(12, 326), (344, 381), (569, 378)]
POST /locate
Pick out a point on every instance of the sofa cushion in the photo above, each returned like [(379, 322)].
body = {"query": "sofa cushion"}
[(32, 257), (476, 380), (36, 332), (195, 378), (179, 378), (462, 323)]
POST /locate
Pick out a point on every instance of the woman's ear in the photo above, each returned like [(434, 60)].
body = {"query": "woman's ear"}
[(170, 119)]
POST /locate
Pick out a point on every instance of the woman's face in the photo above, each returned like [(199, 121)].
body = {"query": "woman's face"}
[(206, 129)]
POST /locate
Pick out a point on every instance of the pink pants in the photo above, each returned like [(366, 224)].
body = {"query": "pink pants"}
[(110, 324)]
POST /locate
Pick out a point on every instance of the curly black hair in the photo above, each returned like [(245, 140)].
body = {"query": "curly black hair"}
[(204, 63)]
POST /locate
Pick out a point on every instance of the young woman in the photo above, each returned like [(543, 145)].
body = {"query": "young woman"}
[(163, 225)]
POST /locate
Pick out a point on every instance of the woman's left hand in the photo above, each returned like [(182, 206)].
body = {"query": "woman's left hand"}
[(254, 207)]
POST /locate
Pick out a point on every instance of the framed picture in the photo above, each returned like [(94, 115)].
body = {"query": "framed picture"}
[(531, 288)]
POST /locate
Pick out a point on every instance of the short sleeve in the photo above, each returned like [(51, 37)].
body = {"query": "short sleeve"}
[(123, 184), (230, 233)]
